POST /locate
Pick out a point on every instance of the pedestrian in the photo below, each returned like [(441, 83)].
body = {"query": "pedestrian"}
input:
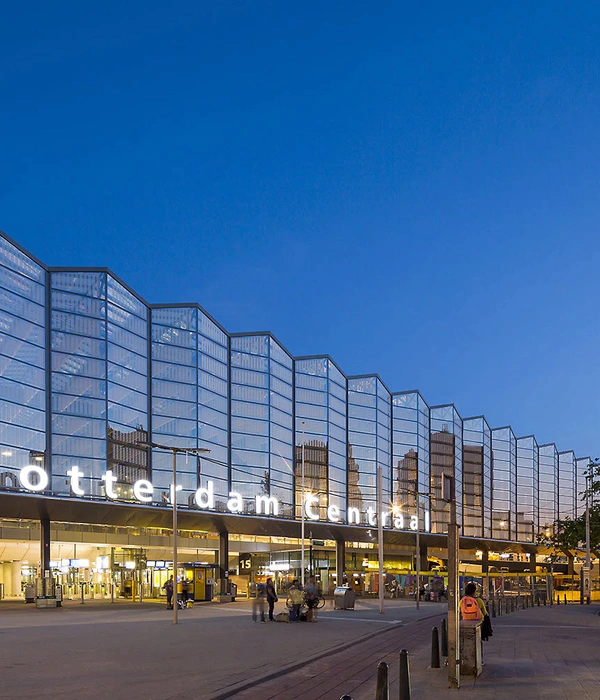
[(258, 605), (297, 598), (311, 599), (168, 589), (271, 597), (472, 607), (185, 591)]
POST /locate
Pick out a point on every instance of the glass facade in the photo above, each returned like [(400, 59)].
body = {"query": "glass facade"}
[(91, 376), (477, 477), (369, 440), (410, 440), (527, 488), (547, 486), (22, 364), (581, 464), (504, 484), (262, 436), (446, 445), (321, 426), (567, 485), (190, 402)]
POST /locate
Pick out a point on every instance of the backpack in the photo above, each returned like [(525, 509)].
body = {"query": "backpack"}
[(469, 608)]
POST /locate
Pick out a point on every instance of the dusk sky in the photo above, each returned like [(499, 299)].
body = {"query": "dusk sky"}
[(412, 190)]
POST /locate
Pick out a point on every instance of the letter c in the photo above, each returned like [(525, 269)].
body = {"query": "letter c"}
[(310, 501)]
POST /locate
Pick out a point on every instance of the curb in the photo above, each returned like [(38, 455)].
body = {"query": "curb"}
[(245, 685)]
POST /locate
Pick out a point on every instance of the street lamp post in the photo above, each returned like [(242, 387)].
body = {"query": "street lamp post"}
[(418, 538), (449, 495), (174, 451), (302, 514), (418, 549), (380, 535), (587, 590)]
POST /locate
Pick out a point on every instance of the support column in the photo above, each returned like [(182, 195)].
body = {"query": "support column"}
[(15, 579), (570, 564), (224, 562), (340, 561), (44, 545), (422, 564), (485, 571)]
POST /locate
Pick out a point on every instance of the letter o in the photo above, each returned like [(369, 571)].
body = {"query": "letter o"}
[(25, 478)]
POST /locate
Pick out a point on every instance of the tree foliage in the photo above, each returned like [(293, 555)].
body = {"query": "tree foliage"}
[(569, 533)]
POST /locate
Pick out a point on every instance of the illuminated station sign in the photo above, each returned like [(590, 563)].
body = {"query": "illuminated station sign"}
[(34, 478)]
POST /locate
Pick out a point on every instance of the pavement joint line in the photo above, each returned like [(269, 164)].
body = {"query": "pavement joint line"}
[(299, 664)]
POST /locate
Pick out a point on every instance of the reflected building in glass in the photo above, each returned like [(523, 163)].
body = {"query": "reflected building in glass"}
[(411, 457), (321, 426), (369, 440), (477, 477), (446, 446)]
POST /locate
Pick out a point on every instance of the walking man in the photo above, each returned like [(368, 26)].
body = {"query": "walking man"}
[(271, 597), (258, 605), (168, 589), (311, 600)]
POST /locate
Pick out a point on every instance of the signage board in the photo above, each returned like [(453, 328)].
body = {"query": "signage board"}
[(245, 563), (585, 574)]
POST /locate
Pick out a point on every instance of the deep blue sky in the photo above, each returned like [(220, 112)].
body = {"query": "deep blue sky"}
[(412, 190)]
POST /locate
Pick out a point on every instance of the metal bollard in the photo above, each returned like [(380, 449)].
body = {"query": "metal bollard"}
[(382, 691), (493, 608), (435, 648), (538, 601), (565, 598), (558, 599), (345, 697), (404, 677), (544, 601), (444, 637), (507, 607)]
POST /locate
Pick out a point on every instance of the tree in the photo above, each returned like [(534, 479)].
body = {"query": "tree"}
[(569, 533)]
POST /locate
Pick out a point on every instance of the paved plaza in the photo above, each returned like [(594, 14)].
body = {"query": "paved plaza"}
[(547, 653), (125, 650), (99, 650)]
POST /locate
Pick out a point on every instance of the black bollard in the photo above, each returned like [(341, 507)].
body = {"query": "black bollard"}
[(544, 601), (382, 691), (538, 600), (345, 697), (507, 606), (558, 599), (444, 637), (493, 607), (435, 648), (565, 598), (404, 677)]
